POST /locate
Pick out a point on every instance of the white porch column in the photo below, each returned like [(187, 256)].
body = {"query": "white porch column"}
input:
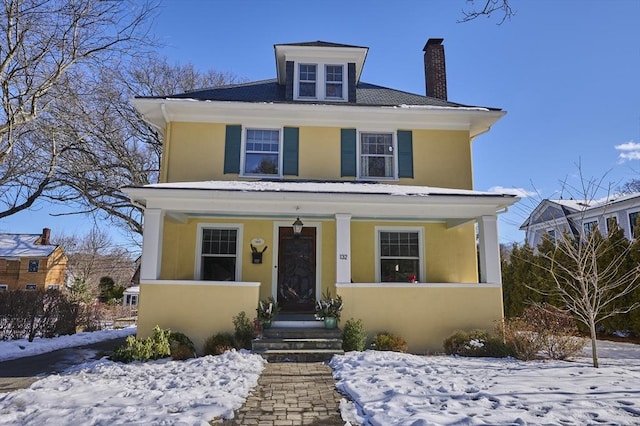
[(489, 250), (151, 244), (343, 248)]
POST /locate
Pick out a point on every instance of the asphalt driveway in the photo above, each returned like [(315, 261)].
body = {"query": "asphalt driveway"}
[(22, 372)]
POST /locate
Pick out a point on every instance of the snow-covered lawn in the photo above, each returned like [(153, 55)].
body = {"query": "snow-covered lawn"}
[(387, 389), (397, 389), (12, 349)]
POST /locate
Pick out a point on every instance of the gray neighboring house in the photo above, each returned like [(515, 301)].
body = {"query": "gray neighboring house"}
[(553, 217)]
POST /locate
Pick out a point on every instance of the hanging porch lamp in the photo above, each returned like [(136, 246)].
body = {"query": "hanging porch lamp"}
[(297, 227)]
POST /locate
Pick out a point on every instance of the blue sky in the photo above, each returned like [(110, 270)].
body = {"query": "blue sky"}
[(567, 73)]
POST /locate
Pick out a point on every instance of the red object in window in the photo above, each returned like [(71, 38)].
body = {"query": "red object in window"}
[(412, 278)]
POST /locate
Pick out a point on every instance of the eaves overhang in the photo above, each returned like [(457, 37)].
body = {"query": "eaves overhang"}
[(446, 207), (159, 112)]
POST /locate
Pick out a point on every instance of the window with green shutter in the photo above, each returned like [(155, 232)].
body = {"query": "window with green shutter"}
[(290, 151), (232, 149), (405, 154), (348, 154)]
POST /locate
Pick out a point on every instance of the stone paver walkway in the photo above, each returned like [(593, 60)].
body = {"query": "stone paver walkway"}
[(292, 394)]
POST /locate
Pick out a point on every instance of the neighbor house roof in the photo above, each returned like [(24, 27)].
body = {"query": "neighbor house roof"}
[(320, 43), (270, 91), (13, 246)]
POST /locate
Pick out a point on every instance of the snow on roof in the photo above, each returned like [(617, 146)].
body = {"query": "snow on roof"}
[(324, 187), (592, 204), (23, 245)]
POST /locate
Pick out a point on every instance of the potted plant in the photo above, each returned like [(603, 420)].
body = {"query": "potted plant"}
[(267, 310), (328, 309)]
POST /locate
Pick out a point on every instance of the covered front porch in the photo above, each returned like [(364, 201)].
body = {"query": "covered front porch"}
[(455, 281)]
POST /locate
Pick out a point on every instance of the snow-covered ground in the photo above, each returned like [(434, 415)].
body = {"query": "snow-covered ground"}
[(397, 389), (386, 388), (11, 349)]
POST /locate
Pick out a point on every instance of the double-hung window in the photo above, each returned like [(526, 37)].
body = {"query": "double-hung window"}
[(219, 254), (633, 221), (333, 81), (612, 224), (34, 265), (307, 77), (399, 255), (377, 155), (31, 287), (589, 227), (262, 152)]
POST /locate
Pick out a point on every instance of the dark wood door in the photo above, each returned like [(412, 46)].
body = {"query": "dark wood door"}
[(297, 270)]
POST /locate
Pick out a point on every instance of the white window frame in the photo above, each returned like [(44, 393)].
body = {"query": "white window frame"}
[(301, 81), (131, 300), (198, 263), (4, 287), (327, 82), (394, 144), (321, 81), (421, 252), (243, 157), (630, 226), (587, 223), (606, 222), (35, 287), (53, 286)]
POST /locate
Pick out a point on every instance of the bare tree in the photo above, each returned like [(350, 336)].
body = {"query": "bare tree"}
[(94, 255), (41, 43), (124, 149), (488, 8), (591, 274)]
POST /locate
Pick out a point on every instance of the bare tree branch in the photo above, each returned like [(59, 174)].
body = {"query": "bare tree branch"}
[(488, 8)]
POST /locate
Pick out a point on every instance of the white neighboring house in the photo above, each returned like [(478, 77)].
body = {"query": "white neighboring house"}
[(553, 217), (131, 296)]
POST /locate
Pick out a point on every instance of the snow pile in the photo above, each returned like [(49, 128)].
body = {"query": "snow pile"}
[(161, 392), (12, 349), (400, 389)]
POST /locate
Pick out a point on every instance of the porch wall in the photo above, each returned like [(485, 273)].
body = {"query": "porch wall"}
[(423, 314), (198, 309)]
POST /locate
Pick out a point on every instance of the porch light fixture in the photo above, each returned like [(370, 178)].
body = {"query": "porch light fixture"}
[(297, 227)]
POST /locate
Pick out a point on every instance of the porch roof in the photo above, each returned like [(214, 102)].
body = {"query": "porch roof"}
[(310, 198)]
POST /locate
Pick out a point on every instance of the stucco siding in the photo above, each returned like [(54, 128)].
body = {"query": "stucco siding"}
[(423, 314)]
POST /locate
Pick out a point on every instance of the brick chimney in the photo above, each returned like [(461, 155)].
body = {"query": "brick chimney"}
[(46, 236), (435, 73)]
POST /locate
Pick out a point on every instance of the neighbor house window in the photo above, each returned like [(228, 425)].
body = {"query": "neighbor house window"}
[(131, 300), (262, 152), (376, 155), (219, 254), (31, 287), (333, 81), (633, 219), (34, 265), (4, 287), (53, 287), (612, 224), (551, 234), (589, 227), (399, 255), (307, 78)]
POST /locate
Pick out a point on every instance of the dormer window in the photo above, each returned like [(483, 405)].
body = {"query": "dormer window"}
[(307, 80), (320, 82), (333, 85)]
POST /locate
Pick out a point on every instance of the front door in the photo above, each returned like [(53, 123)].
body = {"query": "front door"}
[(297, 270)]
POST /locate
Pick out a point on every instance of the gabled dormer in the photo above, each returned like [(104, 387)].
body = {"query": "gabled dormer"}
[(319, 71)]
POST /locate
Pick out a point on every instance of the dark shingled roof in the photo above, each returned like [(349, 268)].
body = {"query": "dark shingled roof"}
[(320, 43), (270, 91)]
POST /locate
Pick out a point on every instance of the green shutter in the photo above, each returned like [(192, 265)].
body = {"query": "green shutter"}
[(405, 154), (232, 149), (348, 152), (290, 151)]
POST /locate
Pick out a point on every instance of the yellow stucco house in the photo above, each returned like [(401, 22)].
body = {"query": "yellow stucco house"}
[(380, 179)]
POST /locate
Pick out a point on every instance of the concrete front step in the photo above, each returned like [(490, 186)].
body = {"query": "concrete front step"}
[(295, 344), (299, 355), (301, 333)]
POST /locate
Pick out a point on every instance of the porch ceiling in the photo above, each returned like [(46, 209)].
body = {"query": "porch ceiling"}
[(291, 199)]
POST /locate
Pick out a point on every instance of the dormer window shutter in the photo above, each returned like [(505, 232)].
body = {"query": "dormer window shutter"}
[(232, 149), (351, 81), (405, 154), (289, 76), (290, 151), (348, 157)]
